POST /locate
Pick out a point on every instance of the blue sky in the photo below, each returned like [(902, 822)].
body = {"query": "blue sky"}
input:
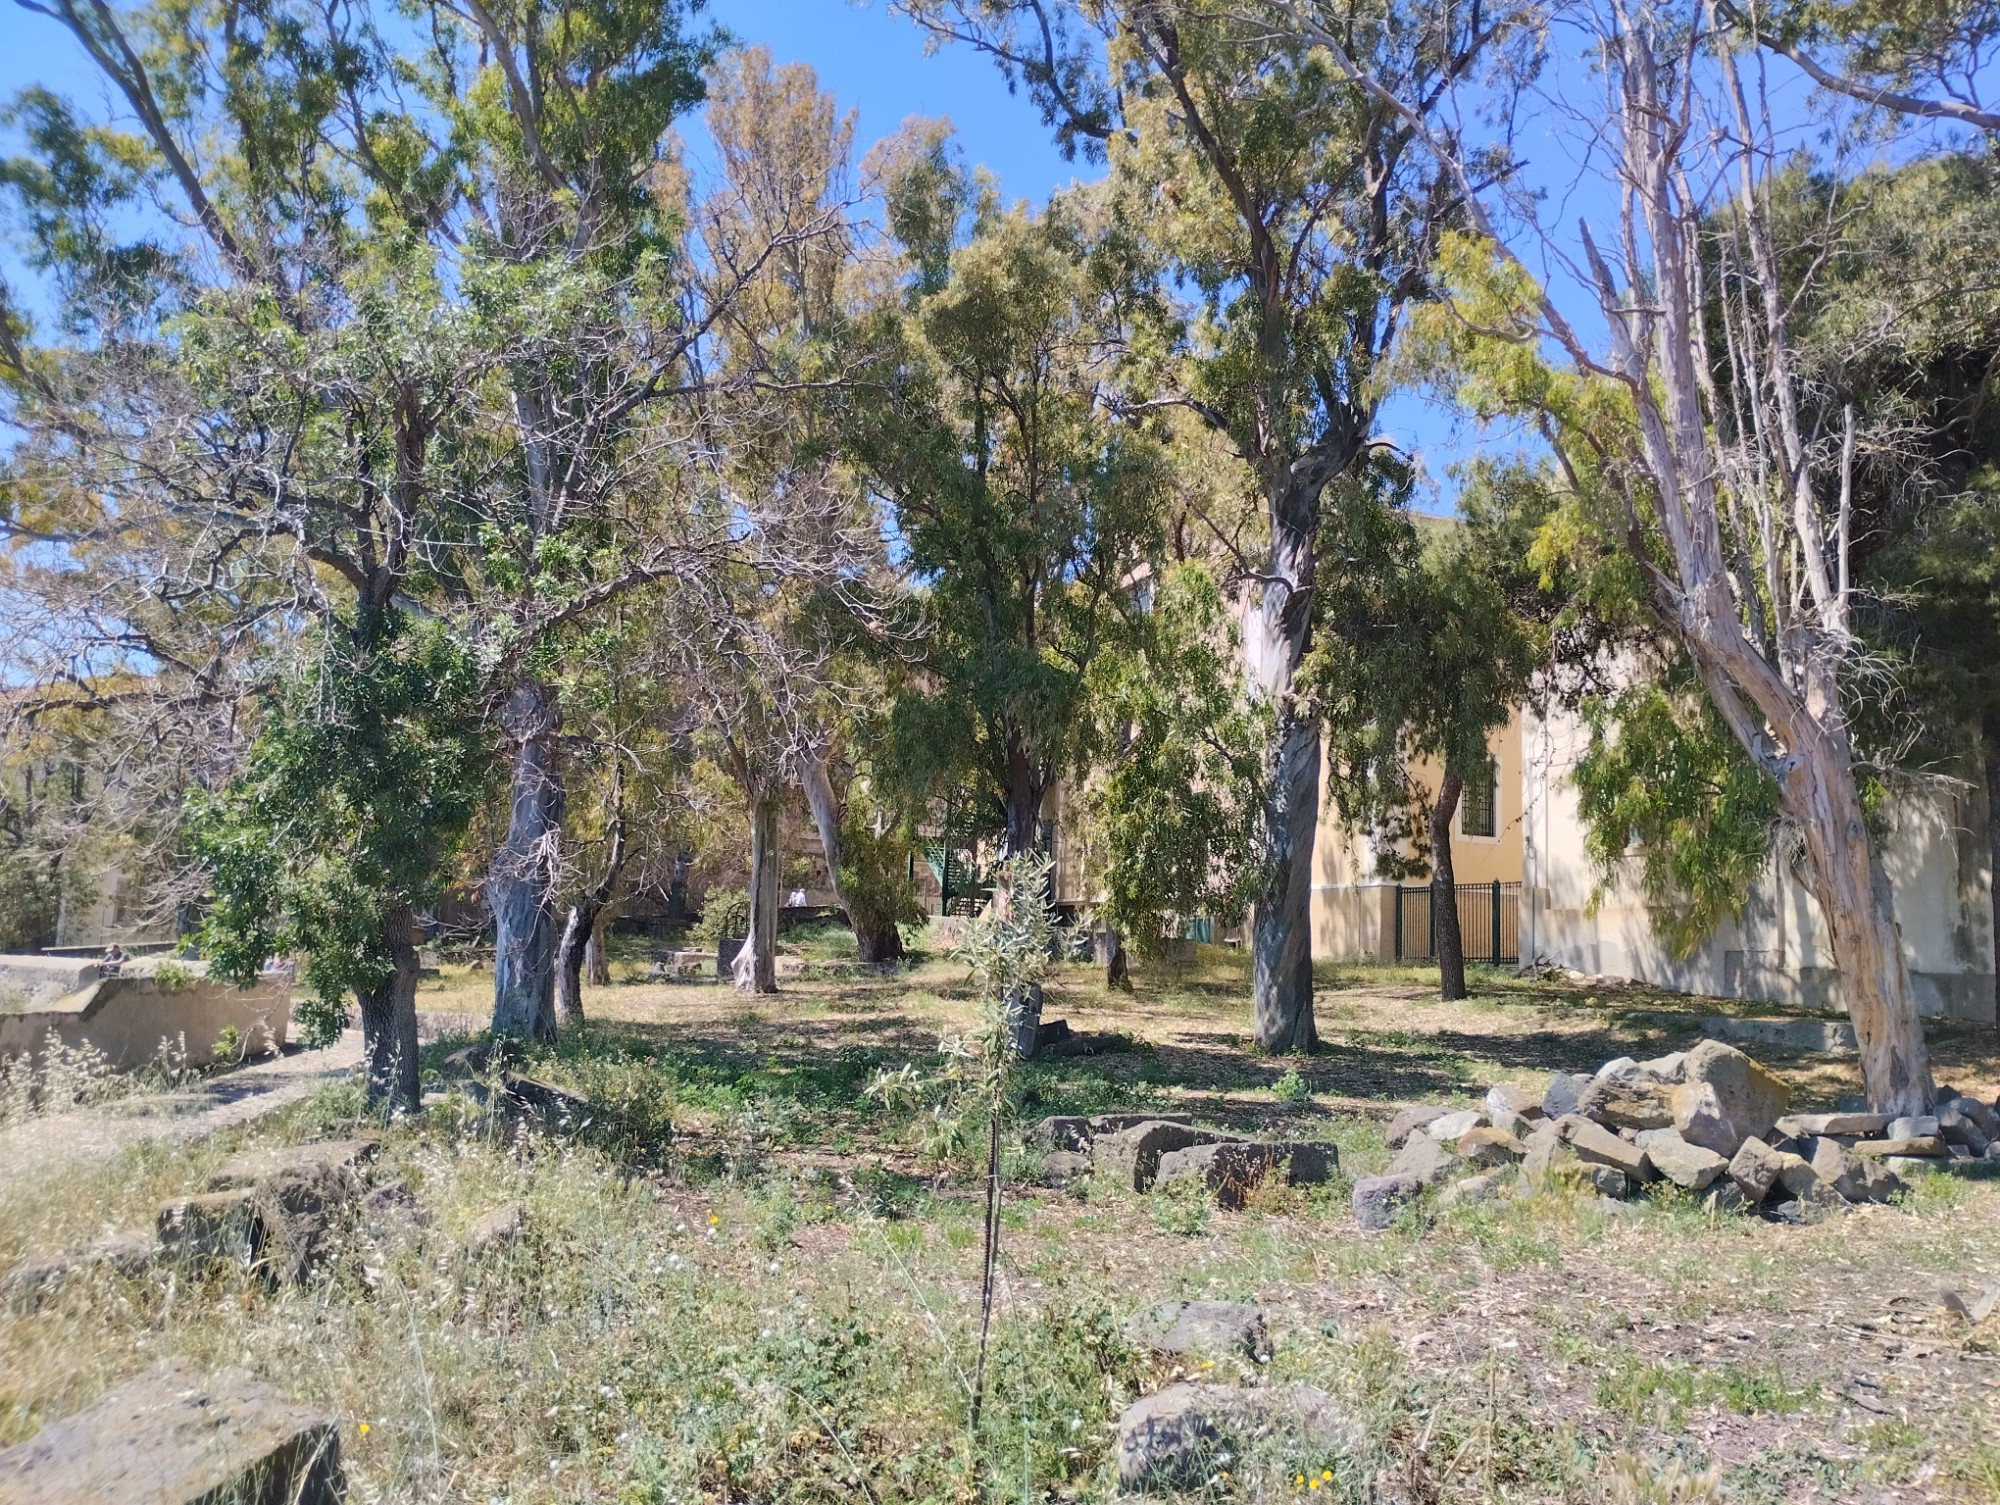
[(877, 64)]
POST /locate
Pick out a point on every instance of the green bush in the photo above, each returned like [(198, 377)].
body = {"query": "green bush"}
[(725, 914)]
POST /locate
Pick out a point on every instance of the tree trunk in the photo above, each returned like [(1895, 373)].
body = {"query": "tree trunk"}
[(569, 965), (874, 940), (1991, 737), (1274, 643), (580, 930), (521, 879), (596, 958), (1024, 819), (389, 1023), (1109, 946), (756, 969), (1444, 891)]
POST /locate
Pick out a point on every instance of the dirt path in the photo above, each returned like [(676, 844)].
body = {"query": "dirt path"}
[(226, 1100)]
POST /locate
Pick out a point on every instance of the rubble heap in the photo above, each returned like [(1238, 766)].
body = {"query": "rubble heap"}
[(1710, 1120)]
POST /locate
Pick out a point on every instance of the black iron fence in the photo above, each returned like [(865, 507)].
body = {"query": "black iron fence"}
[(1489, 922)]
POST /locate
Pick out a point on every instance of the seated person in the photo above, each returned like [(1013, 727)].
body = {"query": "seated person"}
[(113, 960)]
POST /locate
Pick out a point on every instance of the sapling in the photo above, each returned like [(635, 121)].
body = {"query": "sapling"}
[(1007, 949)]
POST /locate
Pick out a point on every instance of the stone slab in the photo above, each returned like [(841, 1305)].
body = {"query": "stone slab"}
[(176, 1437)]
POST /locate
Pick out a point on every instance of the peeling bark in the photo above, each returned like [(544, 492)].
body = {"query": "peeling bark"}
[(756, 969), (521, 878), (1275, 640)]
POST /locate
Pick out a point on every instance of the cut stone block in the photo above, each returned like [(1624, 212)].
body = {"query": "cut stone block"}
[(1700, 1118), (1450, 1128), (1489, 1147), (1488, 1186), (37, 1278), (1061, 1167), (1754, 1168), (1812, 1125), (1523, 1101), (1062, 1132), (217, 1225), (1427, 1160), (1929, 1146), (494, 1232), (342, 1156), (1407, 1121), (174, 1437), (1376, 1199), (1174, 1438), (1597, 1145), (1564, 1090), (1912, 1126), (1631, 1104), (1130, 1158), (1847, 1174), (1684, 1164), (1752, 1097), (1212, 1328), (1231, 1168)]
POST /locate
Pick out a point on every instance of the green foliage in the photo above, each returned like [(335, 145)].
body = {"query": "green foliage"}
[(1022, 500), (30, 899), (1662, 771), (1421, 656), (171, 977), (875, 879), (1182, 1207), (725, 915), (366, 772), (1292, 1087), (1176, 815)]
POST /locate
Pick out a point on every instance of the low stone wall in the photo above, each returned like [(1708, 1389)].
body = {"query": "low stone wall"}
[(32, 981), (127, 1017)]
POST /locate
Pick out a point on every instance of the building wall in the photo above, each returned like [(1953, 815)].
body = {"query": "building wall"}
[(1353, 912), (1776, 947)]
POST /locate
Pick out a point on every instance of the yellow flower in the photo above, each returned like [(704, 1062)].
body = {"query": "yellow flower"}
[(364, 1429), (1300, 1482), (1326, 1474), (1312, 1484), (713, 1220)]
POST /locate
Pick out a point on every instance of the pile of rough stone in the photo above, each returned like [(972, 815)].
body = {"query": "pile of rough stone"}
[(1141, 1152), (1710, 1120)]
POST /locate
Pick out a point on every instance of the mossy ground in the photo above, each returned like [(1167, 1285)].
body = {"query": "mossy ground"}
[(777, 1301)]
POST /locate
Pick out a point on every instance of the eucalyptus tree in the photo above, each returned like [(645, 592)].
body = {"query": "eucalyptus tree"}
[(1700, 451), (1302, 212), (1023, 490)]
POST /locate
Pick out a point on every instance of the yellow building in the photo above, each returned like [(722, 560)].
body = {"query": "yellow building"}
[(1358, 913)]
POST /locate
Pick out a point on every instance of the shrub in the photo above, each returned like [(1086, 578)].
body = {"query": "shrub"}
[(725, 914)]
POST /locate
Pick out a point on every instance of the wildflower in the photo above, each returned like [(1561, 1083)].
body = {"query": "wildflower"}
[(1312, 1484), (1326, 1474), (713, 1220), (363, 1429), (1299, 1482)]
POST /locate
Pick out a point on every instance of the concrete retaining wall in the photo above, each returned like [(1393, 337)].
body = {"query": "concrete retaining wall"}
[(127, 1017)]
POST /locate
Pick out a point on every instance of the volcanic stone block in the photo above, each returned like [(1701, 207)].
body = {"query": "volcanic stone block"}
[(1627, 1104), (1751, 1096), (1131, 1157), (1215, 1328), (174, 1437), (1231, 1168), (1407, 1121), (1376, 1198), (1175, 1437), (1597, 1145)]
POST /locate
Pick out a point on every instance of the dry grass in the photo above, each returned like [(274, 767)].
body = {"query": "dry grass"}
[(776, 1305)]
